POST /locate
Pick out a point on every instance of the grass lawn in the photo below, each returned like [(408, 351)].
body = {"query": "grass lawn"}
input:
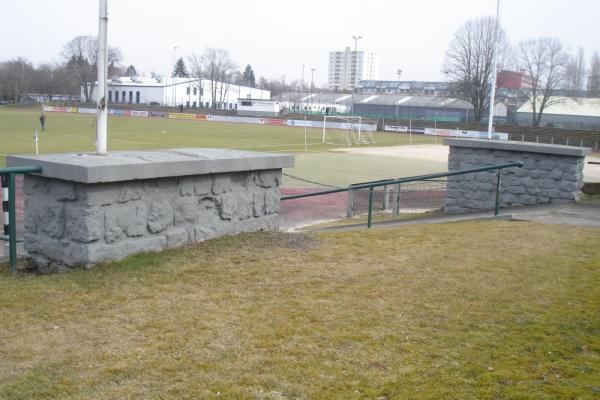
[(478, 310), (76, 132)]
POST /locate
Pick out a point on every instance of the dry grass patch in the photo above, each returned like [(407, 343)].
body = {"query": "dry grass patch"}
[(469, 310)]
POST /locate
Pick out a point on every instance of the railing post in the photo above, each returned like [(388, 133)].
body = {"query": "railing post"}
[(350, 202), (370, 216), (386, 200), (12, 225), (498, 181), (5, 217), (397, 202)]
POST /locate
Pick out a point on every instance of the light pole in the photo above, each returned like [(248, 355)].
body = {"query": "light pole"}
[(356, 39), (494, 72), (312, 82), (399, 72), (302, 89), (173, 76), (447, 91)]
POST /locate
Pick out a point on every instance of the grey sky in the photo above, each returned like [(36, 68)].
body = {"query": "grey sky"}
[(277, 37)]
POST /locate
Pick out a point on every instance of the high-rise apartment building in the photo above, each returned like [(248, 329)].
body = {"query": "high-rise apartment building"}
[(347, 68)]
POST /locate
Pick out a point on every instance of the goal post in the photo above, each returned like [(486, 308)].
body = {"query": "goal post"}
[(344, 130)]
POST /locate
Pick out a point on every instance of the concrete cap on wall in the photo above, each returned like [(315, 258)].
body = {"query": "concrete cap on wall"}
[(118, 166), (527, 147)]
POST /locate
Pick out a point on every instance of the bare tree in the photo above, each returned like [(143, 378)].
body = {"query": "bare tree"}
[(47, 80), (594, 76), (81, 55), (545, 61), (469, 61), (15, 79), (575, 71), (214, 65)]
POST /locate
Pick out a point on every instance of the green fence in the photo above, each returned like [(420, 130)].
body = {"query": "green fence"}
[(371, 187), (7, 176)]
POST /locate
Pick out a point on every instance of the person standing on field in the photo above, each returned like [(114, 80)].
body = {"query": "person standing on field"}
[(43, 121)]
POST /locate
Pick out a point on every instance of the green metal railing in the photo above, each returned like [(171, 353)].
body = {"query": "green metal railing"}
[(9, 208), (371, 185)]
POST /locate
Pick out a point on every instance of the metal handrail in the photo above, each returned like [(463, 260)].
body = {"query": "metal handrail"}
[(8, 207), (387, 182)]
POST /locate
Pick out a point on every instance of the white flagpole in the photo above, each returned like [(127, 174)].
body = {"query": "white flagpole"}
[(101, 121), (494, 72)]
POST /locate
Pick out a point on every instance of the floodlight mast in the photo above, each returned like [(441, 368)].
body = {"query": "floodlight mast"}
[(102, 111)]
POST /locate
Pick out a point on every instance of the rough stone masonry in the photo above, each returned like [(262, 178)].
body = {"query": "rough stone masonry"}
[(86, 209), (550, 174)]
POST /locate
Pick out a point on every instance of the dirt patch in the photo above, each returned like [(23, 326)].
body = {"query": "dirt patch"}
[(427, 152)]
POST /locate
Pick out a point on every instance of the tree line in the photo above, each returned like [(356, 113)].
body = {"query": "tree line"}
[(548, 68), (76, 72)]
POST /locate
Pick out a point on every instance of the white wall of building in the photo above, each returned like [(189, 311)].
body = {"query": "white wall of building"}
[(347, 68), (188, 92)]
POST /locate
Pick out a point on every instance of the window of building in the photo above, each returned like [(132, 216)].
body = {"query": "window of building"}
[(195, 91), (194, 104), (123, 96), (116, 96), (187, 90), (187, 104), (130, 96), (110, 96), (137, 97)]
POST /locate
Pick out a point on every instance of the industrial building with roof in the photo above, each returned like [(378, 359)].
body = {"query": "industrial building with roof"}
[(565, 112), (430, 108)]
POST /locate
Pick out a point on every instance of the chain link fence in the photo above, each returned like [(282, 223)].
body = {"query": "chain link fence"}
[(396, 199)]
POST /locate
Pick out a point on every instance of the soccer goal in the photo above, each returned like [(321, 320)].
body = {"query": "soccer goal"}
[(345, 131)]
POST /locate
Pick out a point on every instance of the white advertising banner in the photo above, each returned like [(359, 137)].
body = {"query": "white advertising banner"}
[(464, 133)]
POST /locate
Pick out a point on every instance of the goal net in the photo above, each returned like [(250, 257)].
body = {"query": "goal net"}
[(345, 131)]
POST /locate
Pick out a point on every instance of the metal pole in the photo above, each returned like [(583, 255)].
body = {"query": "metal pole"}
[(102, 110), (370, 216), (399, 72), (5, 216), (397, 204), (498, 181), (173, 91), (494, 72), (12, 225), (305, 139), (356, 39), (350, 203)]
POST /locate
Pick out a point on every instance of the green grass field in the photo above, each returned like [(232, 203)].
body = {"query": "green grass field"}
[(76, 133), (477, 310)]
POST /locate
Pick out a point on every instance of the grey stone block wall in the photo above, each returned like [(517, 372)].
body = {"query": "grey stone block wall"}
[(544, 178), (70, 224)]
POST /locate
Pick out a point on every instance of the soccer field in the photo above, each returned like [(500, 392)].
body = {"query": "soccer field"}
[(320, 162)]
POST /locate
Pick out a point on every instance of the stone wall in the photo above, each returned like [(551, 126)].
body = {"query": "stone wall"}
[(71, 224), (550, 174)]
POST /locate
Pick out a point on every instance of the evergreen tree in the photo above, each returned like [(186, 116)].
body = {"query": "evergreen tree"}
[(248, 76), (130, 71), (179, 71)]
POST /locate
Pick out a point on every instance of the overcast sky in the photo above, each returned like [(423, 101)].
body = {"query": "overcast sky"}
[(277, 36)]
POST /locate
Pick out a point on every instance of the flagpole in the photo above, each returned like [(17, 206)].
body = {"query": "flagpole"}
[(101, 121), (494, 72)]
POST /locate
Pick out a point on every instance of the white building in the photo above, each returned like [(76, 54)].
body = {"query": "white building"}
[(347, 68), (258, 108), (189, 92)]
